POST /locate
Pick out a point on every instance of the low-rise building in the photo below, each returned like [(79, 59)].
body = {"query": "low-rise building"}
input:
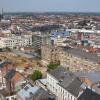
[(91, 80), (88, 94), (58, 38), (30, 92), (5, 66), (14, 81)]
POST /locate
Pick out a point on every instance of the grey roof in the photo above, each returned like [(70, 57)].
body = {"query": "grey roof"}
[(89, 95), (93, 76), (84, 55), (10, 74), (41, 94), (67, 80), (74, 87), (61, 73), (27, 92), (34, 93)]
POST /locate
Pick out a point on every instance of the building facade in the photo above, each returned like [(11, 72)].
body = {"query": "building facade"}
[(5, 66), (49, 54), (60, 82), (72, 58), (38, 40), (16, 41)]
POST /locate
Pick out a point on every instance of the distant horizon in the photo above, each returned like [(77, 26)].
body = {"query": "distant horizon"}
[(50, 5), (49, 12)]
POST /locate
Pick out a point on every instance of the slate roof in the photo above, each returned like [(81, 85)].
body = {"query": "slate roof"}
[(67, 80), (35, 93), (43, 95), (10, 74), (74, 87), (25, 92), (4, 63), (89, 95), (61, 73), (82, 54)]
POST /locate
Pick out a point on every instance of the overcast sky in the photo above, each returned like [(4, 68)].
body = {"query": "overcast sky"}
[(50, 5)]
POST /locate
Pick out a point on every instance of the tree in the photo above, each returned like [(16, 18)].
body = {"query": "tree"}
[(53, 65), (7, 49), (1, 50), (36, 75)]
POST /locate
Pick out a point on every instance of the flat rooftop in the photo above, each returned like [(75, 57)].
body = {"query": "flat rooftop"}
[(82, 54)]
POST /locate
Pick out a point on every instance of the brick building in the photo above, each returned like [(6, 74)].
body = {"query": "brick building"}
[(5, 66)]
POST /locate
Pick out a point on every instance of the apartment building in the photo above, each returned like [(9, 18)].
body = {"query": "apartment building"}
[(73, 58), (16, 41), (38, 40), (64, 84), (67, 86), (79, 60), (49, 54)]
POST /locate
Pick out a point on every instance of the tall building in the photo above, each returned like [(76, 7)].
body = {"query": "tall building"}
[(2, 14), (50, 54), (38, 40)]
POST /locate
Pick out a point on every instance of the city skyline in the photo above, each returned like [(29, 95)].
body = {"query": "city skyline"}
[(50, 6)]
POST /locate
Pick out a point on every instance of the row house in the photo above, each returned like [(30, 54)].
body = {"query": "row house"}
[(5, 66)]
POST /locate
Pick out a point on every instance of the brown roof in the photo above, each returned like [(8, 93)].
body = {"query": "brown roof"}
[(16, 77)]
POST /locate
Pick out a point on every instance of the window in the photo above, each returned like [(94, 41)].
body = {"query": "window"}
[(71, 97)]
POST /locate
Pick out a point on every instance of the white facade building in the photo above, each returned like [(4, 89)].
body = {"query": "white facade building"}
[(63, 91), (2, 81), (16, 41), (59, 41)]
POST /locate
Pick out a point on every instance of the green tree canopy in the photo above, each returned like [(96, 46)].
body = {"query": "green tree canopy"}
[(36, 75), (1, 49), (7, 49), (53, 65)]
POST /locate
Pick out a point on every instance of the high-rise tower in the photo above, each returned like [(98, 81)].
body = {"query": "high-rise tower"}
[(2, 13)]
